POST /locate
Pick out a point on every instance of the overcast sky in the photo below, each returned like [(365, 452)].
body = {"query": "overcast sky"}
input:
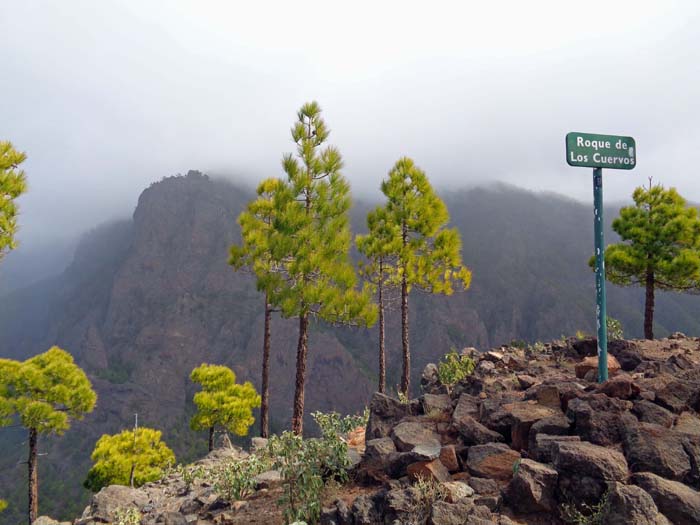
[(108, 96)]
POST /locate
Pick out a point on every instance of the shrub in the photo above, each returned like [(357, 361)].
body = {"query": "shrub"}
[(584, 514), (235, 480), (127, 517), (615, 330), (454, 367)]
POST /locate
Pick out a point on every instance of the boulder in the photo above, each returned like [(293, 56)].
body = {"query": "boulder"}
[(484, 486), (657, 449), (430, 381), (365, 510), (598, 418), (679, 395), (113, 497), (463, 512), (585, 469), (171, 518), (46, 520), (456, 490), (532, 489), (591, 363), (648, 412), (436, 404), (523, 414), (541, 449), (688, 424), (474, 433), (268, 480), (678, 502), (628, 504), (410, 434), (432, 470), (448, 457), (492, 460), (384, 413), (621, 387)]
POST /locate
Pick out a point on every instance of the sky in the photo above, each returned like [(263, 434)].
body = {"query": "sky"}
[(106, 97)]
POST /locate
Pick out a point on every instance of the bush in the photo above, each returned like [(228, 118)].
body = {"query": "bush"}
[(615, 330), (584, 514), (235, 480), (454, 367), (127, 517), (306, 465)]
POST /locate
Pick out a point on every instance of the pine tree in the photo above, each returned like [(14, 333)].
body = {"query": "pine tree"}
[(379, 247), (132, 457), (12, 185), (660, 246), (222, 402), (313, 241), (256, 253), (428, 255), (44, 392)]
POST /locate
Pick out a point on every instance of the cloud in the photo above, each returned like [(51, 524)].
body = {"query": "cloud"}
[(106, 97)]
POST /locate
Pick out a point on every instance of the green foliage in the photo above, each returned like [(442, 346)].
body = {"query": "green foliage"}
[(305, 465), (45, 391), (12, 184), (115, 456), (454, 367), (414, 232), (130, 516), (312, 231), (661, 234), (234, 480), (584, 514), (615, 330), (333, 425), (3, 505), (222, 402)]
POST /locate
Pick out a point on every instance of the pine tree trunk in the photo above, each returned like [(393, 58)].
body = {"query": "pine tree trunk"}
[(406, 378), (382, 357), (649, 306), (211, 439), (33, 476), (298, 415), (265, 401)]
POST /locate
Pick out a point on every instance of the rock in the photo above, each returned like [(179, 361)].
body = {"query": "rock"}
[(258, 443), (621, 387), (484, 486), (526, 381), (653, 448), (523, 415), (456, 490), (436, 404), (591, 363), (474, 433), (460, 513), (448, 457), (492, 460), (491, 502), (434, 470), (648, 412), (430, 381), (113, 497), (688, 424), (171, 518), (401, 504), (268, 480), (628, 504), (678, 502), (45, 520), (548, 395), (410, 434), (379, 451), (384, 413), (586, 469), (365, 511), (541, 449), (532, 488), (679, 395), (598, 418)]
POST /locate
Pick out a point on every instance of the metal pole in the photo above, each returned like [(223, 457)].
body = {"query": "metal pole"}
[(601, 313)]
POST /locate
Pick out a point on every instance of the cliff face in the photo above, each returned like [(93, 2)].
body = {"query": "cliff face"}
[(147, 300)]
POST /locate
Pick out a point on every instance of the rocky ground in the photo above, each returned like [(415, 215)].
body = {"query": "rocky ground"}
[(529, 438)]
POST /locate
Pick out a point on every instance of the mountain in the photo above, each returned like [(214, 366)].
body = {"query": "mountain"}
[(146, 300)]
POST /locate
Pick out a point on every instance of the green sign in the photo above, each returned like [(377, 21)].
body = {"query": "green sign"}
[(600, 151)]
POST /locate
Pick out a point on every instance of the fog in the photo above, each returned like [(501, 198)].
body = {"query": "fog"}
[(106, 97)]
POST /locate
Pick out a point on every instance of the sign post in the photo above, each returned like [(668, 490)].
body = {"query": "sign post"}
[(598, 152)]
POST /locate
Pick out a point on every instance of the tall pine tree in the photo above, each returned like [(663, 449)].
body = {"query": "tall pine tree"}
[(313, 240), (428, 255), (257, 253), (660, 246)]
